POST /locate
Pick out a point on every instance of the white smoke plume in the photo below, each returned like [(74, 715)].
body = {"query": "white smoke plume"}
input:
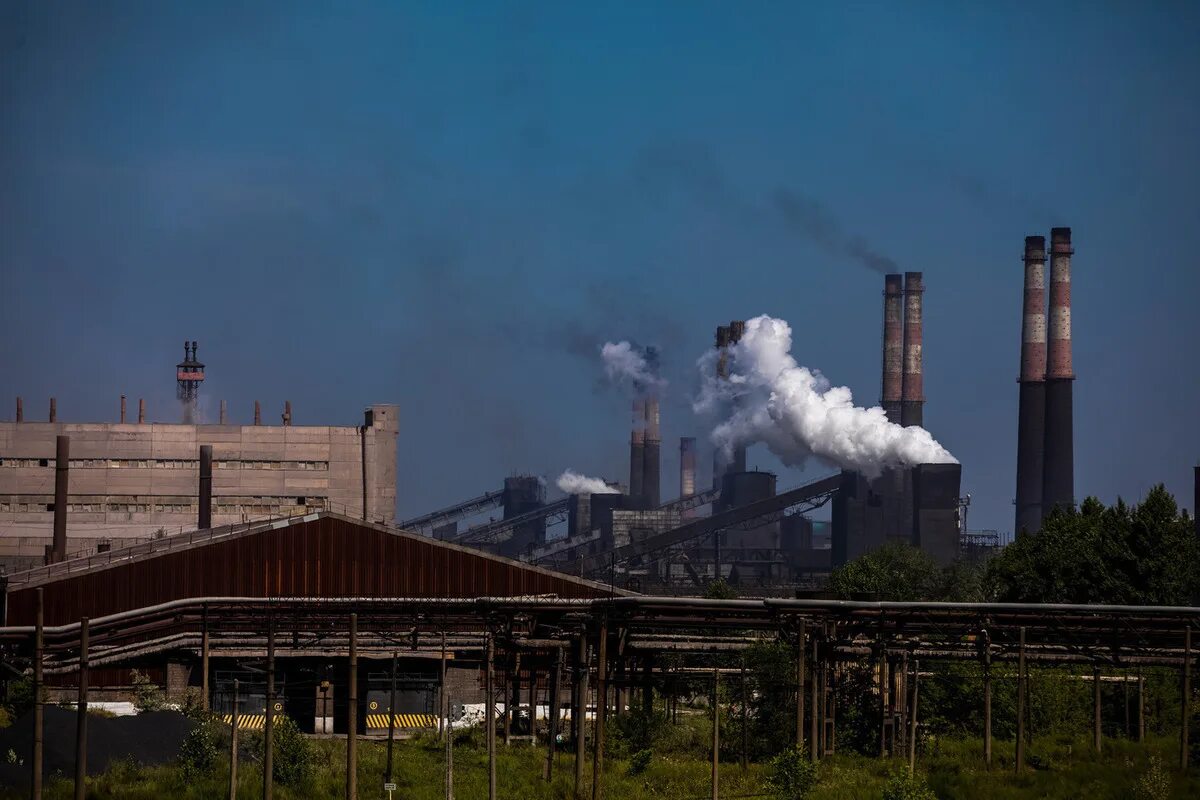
[(770, 398), (627, 365), (572, 482)]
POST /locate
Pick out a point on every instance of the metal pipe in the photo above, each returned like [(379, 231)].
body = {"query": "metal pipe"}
[(1185, 709), (20, 410), (122, 409), (801, 657), (224, 413), (352, 714), (62, 476), (449, 727), (53, 410), (716, 733), (1096, 731), (141, 411), (1031, 410), (553, 712), (490, 715), (987, 701), (893, 347), (204, 519), (81, 714), (233, 744), (745, 715), (912, 718), (1058, 470), (912, 392), (391, 740), (205, 700), (1141, 701), (883, 709), (443, 691), (1022, 680), (35, 762), (814, 733), (601, 710), (268, 785), (579, 713), (257, 413)]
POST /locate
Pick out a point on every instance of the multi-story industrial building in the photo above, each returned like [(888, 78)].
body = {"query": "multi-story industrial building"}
[(130, 482)]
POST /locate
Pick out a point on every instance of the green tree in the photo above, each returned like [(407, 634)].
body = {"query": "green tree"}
[(892, 572)]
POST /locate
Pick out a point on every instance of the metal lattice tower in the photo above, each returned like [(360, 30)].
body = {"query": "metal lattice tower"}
[(190, 374)]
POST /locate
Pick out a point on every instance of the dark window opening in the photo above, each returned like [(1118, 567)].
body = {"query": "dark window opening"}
[(49, 506), (43, 462), (300, 501)]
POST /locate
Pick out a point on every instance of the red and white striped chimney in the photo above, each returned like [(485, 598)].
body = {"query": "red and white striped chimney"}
[(1031, 409), (893, 346), (1058, 476)]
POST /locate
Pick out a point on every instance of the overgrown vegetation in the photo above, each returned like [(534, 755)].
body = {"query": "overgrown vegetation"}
[(147, 696)]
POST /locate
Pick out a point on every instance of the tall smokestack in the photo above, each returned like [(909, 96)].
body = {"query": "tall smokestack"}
[(1058, 471), (737, 328), (652, 465), (912, 390), (141, 410), (287, 412), (257, 413), (20, 410), (53, 410), (687, 469), (893, 346), (62, 474), (204, 521), (122, 409), (1031, 411), (637, 452), (224, 414)]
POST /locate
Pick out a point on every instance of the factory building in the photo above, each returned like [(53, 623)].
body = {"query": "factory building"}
[(132, 481)]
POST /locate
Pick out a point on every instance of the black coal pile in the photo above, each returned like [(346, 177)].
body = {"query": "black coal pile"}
[(150, 738)]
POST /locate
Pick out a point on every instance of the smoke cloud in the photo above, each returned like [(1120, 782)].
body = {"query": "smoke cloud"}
[(813, 220), (631, 367), (795, 411), (572, 482)]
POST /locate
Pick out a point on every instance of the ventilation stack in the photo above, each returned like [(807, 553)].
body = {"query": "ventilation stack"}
[(652, 465), (912, 390), (893, 346), (204, 518), (737, 329), (1058, 470), (637, 452), (62, 477), (687, 466), (1031, 412), (720, 463)]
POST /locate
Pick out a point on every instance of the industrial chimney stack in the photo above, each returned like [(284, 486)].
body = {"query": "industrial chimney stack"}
[(637, 451), (1031, 413), (893, 346), (1058, 475), (912, 392), (652, 465)]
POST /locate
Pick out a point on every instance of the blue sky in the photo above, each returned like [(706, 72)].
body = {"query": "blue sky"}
[(451, 207)]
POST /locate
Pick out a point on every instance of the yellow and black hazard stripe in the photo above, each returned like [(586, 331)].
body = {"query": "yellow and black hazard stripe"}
[(248, 722), (380, 721)]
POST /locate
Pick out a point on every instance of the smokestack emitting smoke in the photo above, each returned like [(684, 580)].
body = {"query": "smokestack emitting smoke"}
[(770, 398), (912, 391), (893, 346), (687, 466), (652, 469), (734, 460), (572, 482), (1031, 412), (62, 474), (1058, 469), (637, 449)]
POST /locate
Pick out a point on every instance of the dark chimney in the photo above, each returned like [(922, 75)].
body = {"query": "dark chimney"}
[(1058, 471), (687, 466), (53, 410), (652, 469), (122, 409), (141, 409), (204, 521), (637, 452), (20, 410), (287, 412), (257, 413), (224, 414), (62, 475), (1031, 410), (893, 346), (912, 391)]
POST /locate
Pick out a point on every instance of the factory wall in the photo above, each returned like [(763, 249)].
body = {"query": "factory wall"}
[(128, 481)]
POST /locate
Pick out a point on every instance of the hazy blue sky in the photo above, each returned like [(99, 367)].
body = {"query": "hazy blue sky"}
[(451, 210)]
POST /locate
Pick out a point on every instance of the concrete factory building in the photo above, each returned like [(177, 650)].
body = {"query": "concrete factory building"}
[(134, 481)]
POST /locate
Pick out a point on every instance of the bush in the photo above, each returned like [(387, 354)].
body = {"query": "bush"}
[(792, 774), (292, 760), (639, 762), (146, 694), (906, 786), (199, 751)]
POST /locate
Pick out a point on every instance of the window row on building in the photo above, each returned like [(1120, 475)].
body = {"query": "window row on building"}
[(175, 505), (164, 463)]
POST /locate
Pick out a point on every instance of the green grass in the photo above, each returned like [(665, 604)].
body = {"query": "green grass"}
[(1062, 768)]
